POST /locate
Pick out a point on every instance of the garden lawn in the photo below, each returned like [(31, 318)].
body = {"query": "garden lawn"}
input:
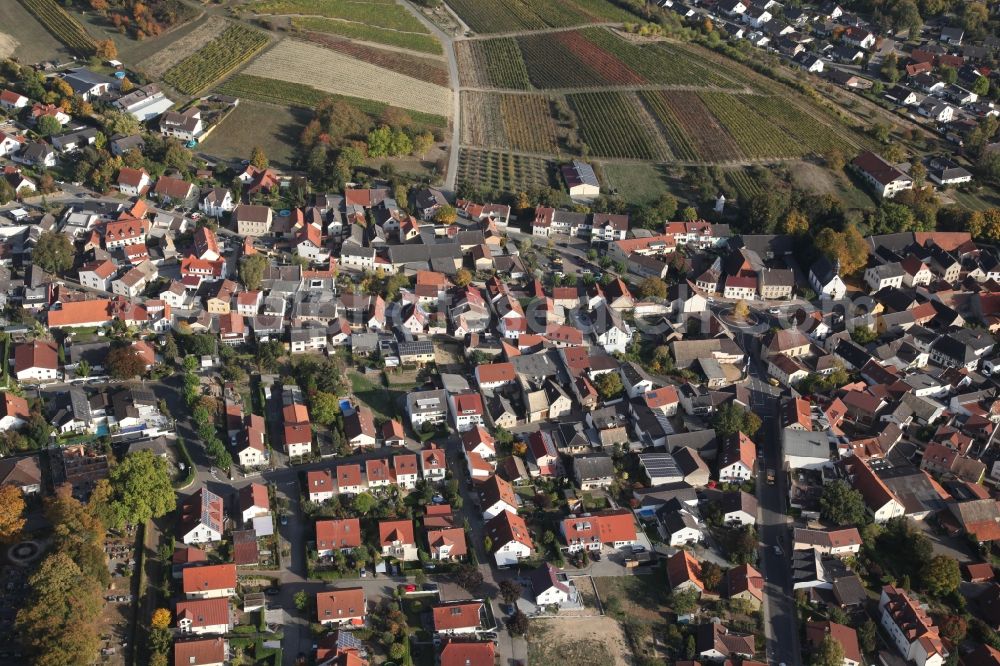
[(381, 400)]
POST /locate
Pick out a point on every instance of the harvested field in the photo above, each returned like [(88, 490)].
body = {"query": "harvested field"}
[(369, 33), (614, 124), (304, 63), (508, 122), (584, 641), (284, 93), (382, 13), (61, 25), (491, 63), (426, 69), (34, 42), (158, 63)]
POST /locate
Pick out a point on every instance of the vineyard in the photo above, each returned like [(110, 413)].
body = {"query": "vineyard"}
[(369, 33), (508, 122), (744, 184), (304, 63), (387, 14), (61, 25), (425, 69), (515, 15), (597, 57), (295, 94), (491, 63), (237, 44), (694, 130), (673, 132), (503, 172), (614, 124), (757, 135)]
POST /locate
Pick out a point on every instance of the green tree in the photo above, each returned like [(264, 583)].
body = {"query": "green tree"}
[(940, 575), (140, 489), (400, 144), (731, 418), (711, 575), (949, 74), (689, 214), (652, 287), (380, 141), (125, 362), (828, 653), (11, 513), (463, 277), (301, 600), (48, 125), (848, 247), (867, 634), (469, 577), (982, 86), (517, 624), (251, 271), (890, 68), (741, 310), (422, 142), (510, 591), (397, 651), (364, 503), (683, 602), (325, 408), (446, 215), (53, 252), (841, 504), (82, 369), (119, 122), (59, 624), (7, 193), (258, 158), (609, 385)]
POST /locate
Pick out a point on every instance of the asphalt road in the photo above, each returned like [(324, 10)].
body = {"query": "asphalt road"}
[(780, 623)]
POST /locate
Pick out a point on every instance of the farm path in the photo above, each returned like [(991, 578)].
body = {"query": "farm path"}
[(622, 160), (603, 88), (448, 45), (537, 31)]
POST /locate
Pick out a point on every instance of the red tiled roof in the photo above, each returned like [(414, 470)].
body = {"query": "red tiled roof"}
[(35, 354), (131, 177), (456, 615), (448, 536), (208, 578), (204, 612), (335, 534), (348, 475), (495, 372), (340, 604), (200, 652), (681, 568), (390, 531), (507, 527), (468, 654), (816, 631), (14, 405)]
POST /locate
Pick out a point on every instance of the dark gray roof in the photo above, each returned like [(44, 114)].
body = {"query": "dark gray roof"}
[(593, 466)]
